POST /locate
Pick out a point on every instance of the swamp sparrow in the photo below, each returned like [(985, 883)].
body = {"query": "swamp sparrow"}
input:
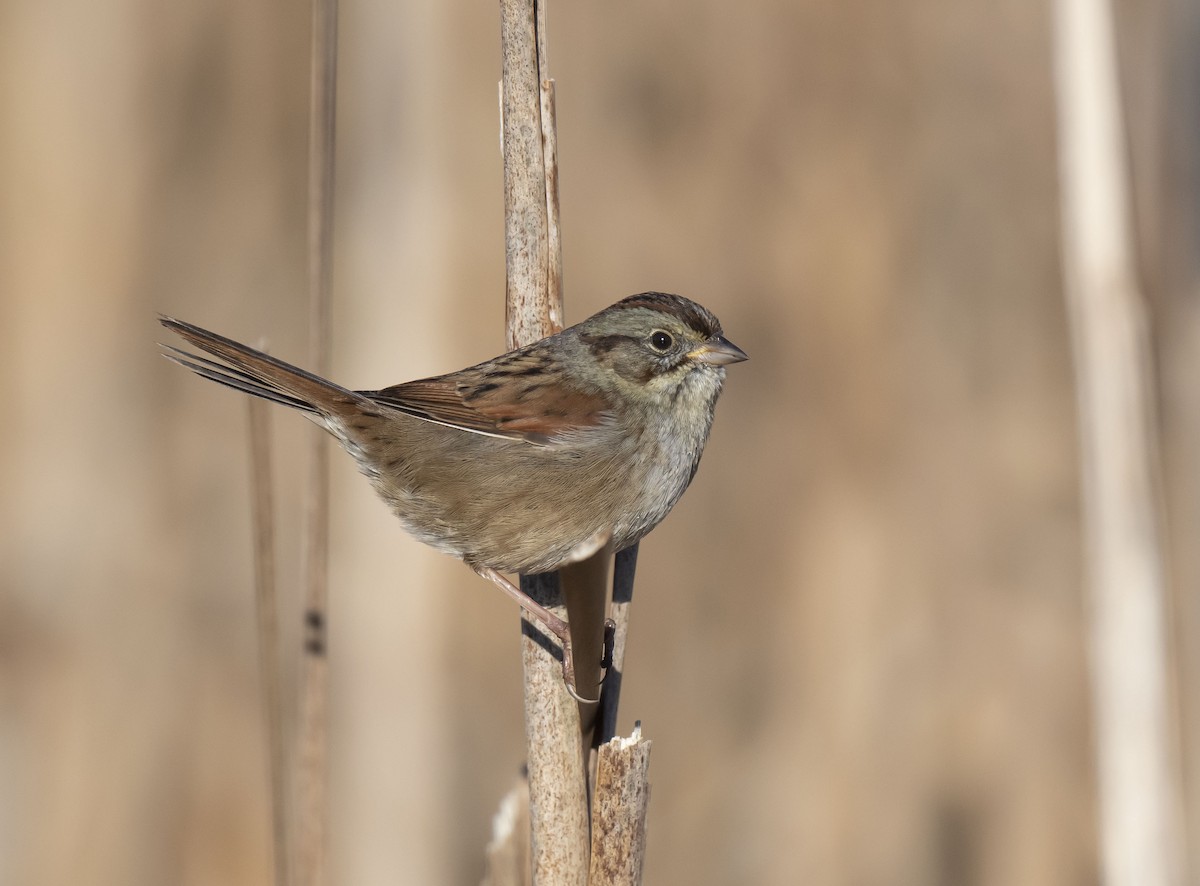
[(530, 461)]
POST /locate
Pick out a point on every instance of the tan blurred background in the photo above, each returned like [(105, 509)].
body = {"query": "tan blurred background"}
[(858, 642)]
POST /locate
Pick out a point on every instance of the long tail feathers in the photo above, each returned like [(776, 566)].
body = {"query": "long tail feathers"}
[(246, 369)]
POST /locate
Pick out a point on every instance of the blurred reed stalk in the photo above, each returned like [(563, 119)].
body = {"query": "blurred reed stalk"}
[(267, 610), (312, 766), (1137, 758), (560, 831)]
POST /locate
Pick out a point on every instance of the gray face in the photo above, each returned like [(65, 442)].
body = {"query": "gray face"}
[(657, 344)]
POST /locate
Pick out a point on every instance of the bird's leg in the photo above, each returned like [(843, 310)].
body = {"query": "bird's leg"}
[(550, 622)]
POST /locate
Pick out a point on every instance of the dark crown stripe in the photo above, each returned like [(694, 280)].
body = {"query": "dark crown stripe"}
[(686, 310)]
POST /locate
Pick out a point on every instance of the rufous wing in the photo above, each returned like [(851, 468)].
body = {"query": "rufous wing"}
[(520, 396)]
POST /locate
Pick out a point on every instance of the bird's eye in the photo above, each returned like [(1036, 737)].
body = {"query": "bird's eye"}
[(661, 341)]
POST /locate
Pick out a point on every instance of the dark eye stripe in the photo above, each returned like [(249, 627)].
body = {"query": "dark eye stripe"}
[(602, 344)]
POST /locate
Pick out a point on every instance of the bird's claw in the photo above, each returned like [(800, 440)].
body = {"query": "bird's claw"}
[(568, 671)]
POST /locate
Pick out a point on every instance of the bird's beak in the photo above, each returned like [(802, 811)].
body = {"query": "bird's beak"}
[(718, 351)]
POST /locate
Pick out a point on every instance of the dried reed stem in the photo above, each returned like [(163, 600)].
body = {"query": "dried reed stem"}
[(557, 778), (557, 782), (624, 571), (619, 815), (267, 610), (530, 313), (312, 774), (1137, 769)]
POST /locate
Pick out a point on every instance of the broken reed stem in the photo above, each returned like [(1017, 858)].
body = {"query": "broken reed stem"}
[(267, 611), (313, 753), (1138, 773), (622, 792), (619, 815)]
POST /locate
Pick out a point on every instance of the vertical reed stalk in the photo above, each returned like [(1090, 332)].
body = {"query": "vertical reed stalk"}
[(624, 570), (1136, 762), (557, 780), (267, 610), (312, 765)]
